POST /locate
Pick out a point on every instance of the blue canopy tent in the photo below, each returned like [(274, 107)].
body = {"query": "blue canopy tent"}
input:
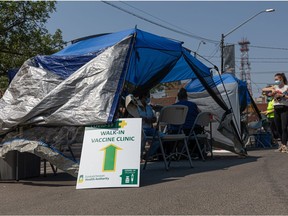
[(150, 56), (82, 84), (106, 62)]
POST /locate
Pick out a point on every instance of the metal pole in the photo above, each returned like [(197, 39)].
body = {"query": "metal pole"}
[(222, 53), (223, 36), (195, 54)]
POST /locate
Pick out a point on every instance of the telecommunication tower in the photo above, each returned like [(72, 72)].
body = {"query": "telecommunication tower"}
[(245, 64)]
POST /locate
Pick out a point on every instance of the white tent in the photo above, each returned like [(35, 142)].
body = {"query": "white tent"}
[(235, 94)]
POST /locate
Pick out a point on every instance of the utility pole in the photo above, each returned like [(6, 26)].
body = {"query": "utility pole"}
[(245, 64)]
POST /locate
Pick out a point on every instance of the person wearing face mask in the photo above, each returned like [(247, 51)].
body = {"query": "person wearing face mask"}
[(148, 118), (279, 91), (145, 111)]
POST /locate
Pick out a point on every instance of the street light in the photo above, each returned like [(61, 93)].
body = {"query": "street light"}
[(203, 42), (225, 35)]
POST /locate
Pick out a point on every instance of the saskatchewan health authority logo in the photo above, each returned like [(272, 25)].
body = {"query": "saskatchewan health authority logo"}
[(116, 124), (92, 178), (81, 179)]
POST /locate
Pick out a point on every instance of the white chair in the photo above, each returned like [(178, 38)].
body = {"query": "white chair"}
[(170, 115), (203, 119)]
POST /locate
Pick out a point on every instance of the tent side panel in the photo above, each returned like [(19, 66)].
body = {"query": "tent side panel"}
[(94, 88), (27, 89), (206, 103), (84, 98)]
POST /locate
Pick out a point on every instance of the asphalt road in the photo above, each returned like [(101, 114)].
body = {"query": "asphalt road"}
[(227, 185)]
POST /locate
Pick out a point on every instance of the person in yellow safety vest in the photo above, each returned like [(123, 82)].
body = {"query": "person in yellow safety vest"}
[(269, 112)]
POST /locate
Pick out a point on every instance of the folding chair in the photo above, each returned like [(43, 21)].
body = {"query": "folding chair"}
[(255, 132), (170, 115), (203, 119)]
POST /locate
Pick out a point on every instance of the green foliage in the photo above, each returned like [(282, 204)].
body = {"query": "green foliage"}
[(23, 33), (3, 82)]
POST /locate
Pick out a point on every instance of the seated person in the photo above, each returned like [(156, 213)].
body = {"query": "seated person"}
[(193, 111), (146, 112), (148, 118)]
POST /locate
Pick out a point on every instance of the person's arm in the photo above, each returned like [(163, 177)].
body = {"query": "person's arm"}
[(271, 111), (279, 95), (269, 89), (285, 93), (151, 118), (266, 112), (147, 115)]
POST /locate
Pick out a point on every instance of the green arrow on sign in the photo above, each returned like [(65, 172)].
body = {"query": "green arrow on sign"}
[(109, 162)]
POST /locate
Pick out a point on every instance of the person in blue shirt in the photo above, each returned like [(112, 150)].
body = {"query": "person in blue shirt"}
[(193, 110)]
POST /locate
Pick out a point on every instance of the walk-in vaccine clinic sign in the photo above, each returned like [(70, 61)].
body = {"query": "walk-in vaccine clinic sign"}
[(111, 155)]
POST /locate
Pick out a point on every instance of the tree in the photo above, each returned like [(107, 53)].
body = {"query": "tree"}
[(23, 33)]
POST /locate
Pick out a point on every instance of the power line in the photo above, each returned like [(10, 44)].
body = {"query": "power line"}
[(160, 25), (155, 17), (268, 62), (213, 53), (265, 72), (256, 84), (269, 58), (262, 47), (255, 58), (261, 83), (186, 33), (265, 47)]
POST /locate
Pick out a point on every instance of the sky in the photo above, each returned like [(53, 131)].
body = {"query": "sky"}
[(198, 20)]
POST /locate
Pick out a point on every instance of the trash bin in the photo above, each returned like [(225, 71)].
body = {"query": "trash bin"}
[(28, 166)]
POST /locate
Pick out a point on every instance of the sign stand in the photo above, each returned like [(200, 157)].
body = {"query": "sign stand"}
[(111, 155)]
